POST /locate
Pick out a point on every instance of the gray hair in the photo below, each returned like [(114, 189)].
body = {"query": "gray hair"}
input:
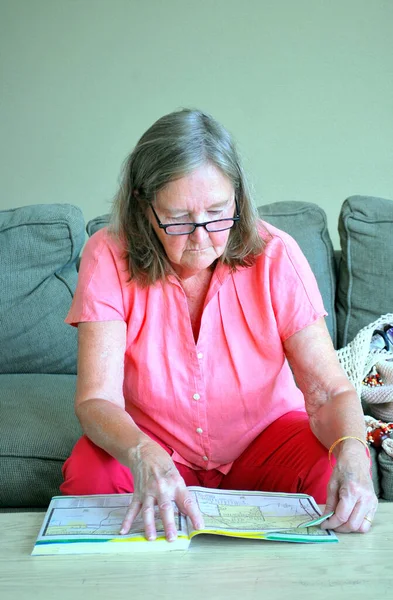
[(171, 148)]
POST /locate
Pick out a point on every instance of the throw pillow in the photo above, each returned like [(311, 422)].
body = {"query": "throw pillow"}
[(306, 223), (39, 246), (364, 290)]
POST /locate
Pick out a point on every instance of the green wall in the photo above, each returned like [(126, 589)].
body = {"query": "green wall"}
[(305, 86)]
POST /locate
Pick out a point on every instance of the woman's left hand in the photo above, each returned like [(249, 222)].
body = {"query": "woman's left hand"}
[(351, 494)]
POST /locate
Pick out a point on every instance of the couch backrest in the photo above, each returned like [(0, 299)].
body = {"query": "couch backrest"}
[(365, 282), (306, 223), (39, 247)]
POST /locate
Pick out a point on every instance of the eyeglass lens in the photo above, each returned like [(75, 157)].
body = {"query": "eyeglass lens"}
[(184, 228)]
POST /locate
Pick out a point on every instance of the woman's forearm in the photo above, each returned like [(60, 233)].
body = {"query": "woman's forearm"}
[(340, 416), (111, 428)]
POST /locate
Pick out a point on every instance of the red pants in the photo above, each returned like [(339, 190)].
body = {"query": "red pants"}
[(286, 457)]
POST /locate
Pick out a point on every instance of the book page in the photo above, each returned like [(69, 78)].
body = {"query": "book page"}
[(231, 512), (97, 518)]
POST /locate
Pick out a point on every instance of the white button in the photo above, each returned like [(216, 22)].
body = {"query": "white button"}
[(196, 396), (205, 458), (200, 355), (199, 430)]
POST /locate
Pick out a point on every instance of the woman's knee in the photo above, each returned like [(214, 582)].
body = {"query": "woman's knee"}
[(91, 470)]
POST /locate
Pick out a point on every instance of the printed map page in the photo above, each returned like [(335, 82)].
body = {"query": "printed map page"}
[(255, 511), (99, 516)]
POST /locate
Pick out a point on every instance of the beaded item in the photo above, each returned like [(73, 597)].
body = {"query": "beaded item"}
[(373, 379), (378, 434)]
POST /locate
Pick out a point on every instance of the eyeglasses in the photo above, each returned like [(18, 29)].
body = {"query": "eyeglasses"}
[(187, 228)]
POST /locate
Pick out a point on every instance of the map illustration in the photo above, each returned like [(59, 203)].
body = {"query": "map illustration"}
[(95, 516), (255, 512)]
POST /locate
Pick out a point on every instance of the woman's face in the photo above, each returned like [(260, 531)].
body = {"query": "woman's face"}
[(203, 195)]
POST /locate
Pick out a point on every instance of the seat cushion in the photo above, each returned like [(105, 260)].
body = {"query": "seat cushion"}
[(38, 429), (39, 247), (365, 285), (306, 223)]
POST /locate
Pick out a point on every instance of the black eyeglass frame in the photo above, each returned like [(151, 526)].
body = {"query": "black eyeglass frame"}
[(164, 226)]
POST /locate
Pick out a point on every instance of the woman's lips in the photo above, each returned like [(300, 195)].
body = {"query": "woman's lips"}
[(197, 249)]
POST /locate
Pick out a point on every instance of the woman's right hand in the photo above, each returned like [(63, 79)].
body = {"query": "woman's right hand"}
[(158, 482)]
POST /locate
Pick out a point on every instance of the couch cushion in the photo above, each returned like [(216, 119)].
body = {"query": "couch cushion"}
[(97, 223), (386, 470), (38, 429), (39, 246), (365, 288), (306, 223), (375, 471)]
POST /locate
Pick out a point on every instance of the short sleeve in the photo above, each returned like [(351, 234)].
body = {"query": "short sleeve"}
[(98, 295), (295, 296)]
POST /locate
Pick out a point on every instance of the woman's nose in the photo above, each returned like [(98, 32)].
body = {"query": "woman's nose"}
[(199, 234)]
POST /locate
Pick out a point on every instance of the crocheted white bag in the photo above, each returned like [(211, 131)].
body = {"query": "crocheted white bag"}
[(357, 359)]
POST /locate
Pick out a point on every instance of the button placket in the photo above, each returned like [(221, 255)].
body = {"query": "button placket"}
[(200, 404), (197, 405)]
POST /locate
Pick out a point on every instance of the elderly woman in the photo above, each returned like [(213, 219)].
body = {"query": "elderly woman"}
[(195, 319)]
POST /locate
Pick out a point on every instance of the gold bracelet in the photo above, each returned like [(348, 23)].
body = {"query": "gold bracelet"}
[(347, 437)]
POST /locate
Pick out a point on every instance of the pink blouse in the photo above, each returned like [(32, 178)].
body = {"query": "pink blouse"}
[(207, 400)]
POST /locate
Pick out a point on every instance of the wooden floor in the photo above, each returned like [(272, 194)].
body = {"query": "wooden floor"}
[(359, 567)]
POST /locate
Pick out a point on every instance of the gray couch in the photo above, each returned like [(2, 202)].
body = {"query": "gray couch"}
[(39, 248)]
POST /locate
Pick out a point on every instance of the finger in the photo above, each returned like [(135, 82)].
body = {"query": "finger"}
[(187, 505), (362, 524), (357, 521), (167, 514), (148, 515), (131, 514), (367, 520), (342, 511), (366, 524), (354, 519), (331, 504), (350, 514)]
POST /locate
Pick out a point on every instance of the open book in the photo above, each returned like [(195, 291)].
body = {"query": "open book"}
[(91, 524)]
